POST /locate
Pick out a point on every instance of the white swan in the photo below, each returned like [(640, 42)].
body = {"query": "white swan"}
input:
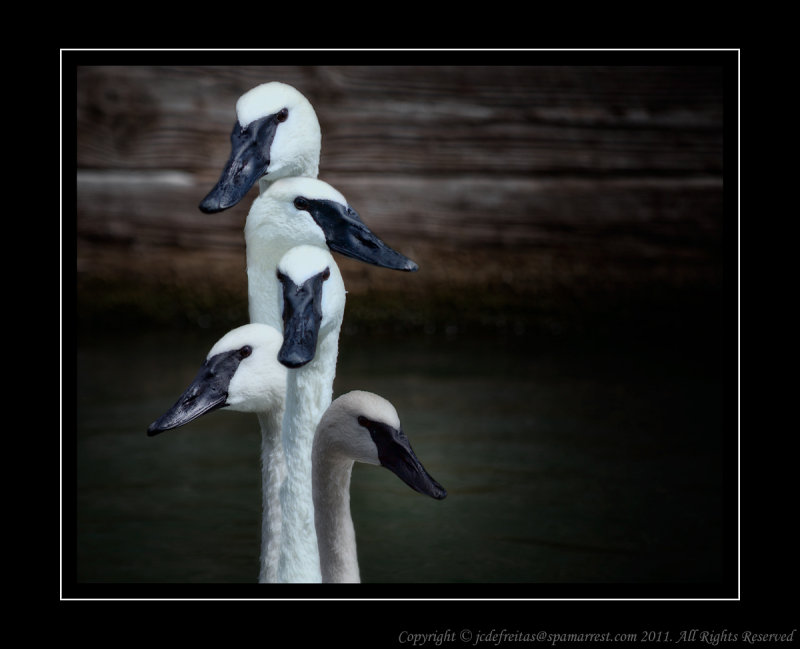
[(276, 134), (363, 427), (313, 302), (292, 212), (241, 373)]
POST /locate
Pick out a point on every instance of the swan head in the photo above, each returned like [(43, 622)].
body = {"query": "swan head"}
[(240, 373), (312, 300), (310, 211), (276, 134), (364, 427)]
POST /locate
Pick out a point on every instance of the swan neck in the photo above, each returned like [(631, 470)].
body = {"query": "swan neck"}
[(273, 470), (263, 252), (336, 536), (309, 392)]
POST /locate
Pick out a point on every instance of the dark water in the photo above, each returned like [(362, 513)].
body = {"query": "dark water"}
[(588, 464)]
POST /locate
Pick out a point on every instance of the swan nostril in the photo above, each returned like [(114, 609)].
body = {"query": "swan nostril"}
[(366, 242)]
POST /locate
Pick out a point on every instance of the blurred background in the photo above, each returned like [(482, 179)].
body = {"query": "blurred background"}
[(558, 361)]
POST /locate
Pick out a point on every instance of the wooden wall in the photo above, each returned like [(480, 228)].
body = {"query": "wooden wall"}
[(539, 191)]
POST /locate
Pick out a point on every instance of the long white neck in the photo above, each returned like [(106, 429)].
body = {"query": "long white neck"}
[(263, 254), (309, 391), (273, 471), (336, 535)]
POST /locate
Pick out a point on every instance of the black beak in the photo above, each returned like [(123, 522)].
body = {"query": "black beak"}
[(395, 453), (207, 392), (249, 159), (302, 316), (347, 234)]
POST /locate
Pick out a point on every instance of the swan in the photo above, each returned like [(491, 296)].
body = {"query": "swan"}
[(276, 134), (293, 212), (241, 373), (357, 427), (312, 302), (290, 213)]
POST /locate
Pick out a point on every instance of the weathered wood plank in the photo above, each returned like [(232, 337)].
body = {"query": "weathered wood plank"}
[(615, 222), (426, 120)]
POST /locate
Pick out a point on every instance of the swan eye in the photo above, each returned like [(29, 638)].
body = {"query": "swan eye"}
[(326, 273), (282, 115), (301, 203), (245, 351)]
